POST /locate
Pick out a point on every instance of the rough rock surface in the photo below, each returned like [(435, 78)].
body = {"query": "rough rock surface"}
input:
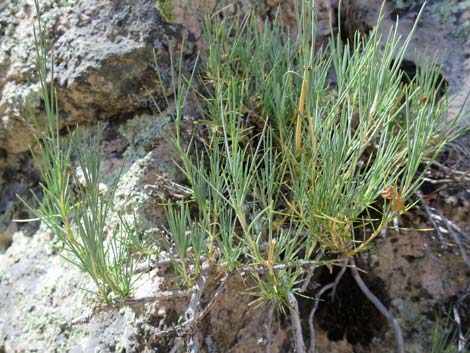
[(103, 60), (443, 33), (104, 71)]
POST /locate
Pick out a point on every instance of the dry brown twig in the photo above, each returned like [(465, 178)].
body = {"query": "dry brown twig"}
[(455, 232), (168, 189)]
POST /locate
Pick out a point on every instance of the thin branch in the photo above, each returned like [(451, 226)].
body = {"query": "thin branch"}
[(455, 236), (218, 292), (279, 267), (438, 181), (259, 269), (451, 228), (169, 295), (198, 290), (307, 280), (177, 345), (309, 275), (445, 168), (194, 345), (171, 190), (192, 311), (317, 298), (147, 267), (458, 229), (462, 339), (378, 304), (186, 327), (210, 344), (296, 326), (430, 215)]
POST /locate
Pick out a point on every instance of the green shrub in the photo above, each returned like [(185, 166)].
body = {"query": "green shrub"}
[(292, 165), (76, 208)]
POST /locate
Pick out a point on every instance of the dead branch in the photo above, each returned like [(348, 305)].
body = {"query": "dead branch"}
[(317, 298), (177, 345), (438, 181), (279, 267), (192, 311), (259, 269), (448, 170), (218, 292), (309, 274), (169, 189), (380, 307), (308, 278), (430, 215), (169, 295), (458, 229), (211, 345), (154, 264), (296, 326), (462, 339), (455, 236), (187, 327), (454, 231)]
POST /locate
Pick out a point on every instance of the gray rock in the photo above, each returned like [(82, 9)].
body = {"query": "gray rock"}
[(103, 54), (443, 32)]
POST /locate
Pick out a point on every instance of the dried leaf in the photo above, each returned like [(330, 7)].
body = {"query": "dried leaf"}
[(391, 193), (399, 204), (388, 193), (424, 99)]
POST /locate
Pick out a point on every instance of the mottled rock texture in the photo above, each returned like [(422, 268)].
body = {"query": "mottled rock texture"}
[(443, 33), (103, 53), (104, 56)]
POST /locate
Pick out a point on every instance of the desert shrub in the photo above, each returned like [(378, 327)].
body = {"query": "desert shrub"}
[(302, 157), (302, 150), (75, 206)]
